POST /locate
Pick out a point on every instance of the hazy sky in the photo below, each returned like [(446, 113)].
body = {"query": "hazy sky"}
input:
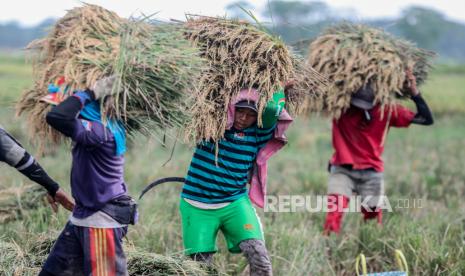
[(30, 12)]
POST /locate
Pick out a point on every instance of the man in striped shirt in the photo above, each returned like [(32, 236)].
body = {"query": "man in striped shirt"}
[(214, 196)]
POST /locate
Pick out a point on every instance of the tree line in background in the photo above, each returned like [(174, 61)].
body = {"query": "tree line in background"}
[(299, 21)]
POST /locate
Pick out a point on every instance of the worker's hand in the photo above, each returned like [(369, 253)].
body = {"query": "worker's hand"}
[(104, 87), (411, 83), (60, 198)]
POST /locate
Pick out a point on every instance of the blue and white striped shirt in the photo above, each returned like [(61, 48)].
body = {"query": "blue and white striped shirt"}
[(226, 180)]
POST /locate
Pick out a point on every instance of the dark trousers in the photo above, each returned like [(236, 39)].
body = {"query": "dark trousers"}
[(87, 251)]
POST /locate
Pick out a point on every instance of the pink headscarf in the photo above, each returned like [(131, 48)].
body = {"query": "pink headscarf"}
[(257, 190)]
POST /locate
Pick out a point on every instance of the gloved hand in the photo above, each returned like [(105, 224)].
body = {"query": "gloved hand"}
[(273, 109), (104, 87)]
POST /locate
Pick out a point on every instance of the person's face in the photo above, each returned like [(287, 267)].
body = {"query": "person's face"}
[(244, 118)]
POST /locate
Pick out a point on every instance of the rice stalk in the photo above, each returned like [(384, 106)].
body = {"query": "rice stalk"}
[(155, 64), (241, 55), (14, 202), (353, 56), (28, 259)]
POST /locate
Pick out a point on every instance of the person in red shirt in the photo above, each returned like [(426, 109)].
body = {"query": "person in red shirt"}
[(358, 141)]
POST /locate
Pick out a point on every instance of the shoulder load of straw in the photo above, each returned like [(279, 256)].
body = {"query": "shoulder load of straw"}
[(155, 66), (241, 55), (352, 56)]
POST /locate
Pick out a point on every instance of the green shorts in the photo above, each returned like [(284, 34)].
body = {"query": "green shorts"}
[(237, 221)]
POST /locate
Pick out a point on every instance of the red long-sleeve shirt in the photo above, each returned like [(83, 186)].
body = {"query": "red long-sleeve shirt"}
[(359, 142)]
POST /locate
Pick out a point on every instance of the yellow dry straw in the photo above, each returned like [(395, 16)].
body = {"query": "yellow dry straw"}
[(28, 259), (156, 67), (352, 56), (241, 56), (68, 51)]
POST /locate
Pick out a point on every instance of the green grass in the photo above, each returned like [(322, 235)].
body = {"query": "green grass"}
[(15, 76), (445, 93), (449, 69), (421, 162)]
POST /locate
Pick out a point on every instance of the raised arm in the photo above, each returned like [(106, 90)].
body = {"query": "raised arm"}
[(423, 115)]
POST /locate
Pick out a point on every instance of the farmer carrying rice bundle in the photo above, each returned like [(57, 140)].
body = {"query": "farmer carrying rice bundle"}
[(91, 242), (368, 70), (238, 123), (114, 77), (154, 66), (215, 195)]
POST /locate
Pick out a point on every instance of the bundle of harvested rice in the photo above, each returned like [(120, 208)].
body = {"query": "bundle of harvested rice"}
[(13, 261), (144, 263), (155, 65), (15, 201), (29, 256), (28, 259), (82, 37), (241, 55), (157, 69), (352, 56)]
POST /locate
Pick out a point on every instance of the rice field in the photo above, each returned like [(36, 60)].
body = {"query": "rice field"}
[(422, 163)]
